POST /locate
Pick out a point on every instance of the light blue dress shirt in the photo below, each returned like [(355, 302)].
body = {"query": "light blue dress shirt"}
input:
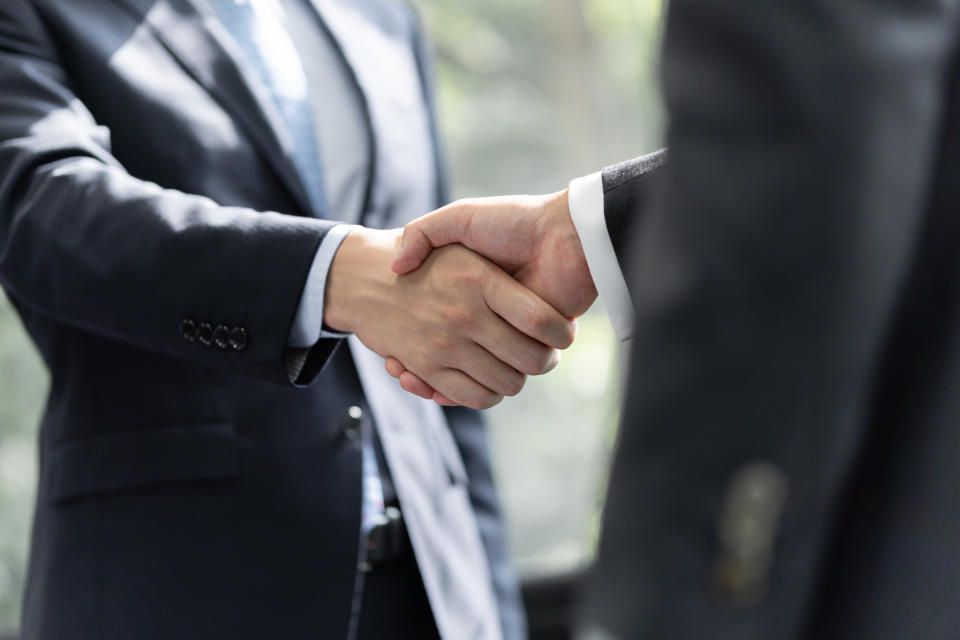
[(405, 185), (340, 125), (274, 36)]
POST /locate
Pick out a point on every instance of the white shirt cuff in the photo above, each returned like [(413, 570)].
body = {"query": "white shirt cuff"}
[(308, 325), (586, 210)]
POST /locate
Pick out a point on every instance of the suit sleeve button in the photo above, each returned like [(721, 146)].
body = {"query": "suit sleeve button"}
[(238, 338), (188, 329), (221, 337), (205, 334)]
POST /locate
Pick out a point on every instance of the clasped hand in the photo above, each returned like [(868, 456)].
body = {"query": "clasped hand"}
[(462, 327), (454, 326)]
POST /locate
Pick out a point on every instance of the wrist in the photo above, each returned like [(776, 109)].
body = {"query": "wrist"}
[(358, 275), (556, 212), (571, 289), (560, 228)]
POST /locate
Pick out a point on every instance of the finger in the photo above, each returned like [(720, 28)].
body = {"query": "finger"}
[(411, 382), (416, 386), (394, 368), (408, 381), (420, 237), (491, 372), (460, 388), (516, 349), (443, 401), (527, 311)]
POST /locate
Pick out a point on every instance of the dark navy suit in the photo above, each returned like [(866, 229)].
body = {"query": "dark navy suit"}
[(188, 488), (788, 460)]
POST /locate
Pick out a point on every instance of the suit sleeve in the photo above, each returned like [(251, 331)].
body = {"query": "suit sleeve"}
[(603, 207), (626, 195), (86, 244), (769, 268)]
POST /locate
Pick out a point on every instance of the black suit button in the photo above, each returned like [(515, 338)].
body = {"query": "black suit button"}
[(221, 337), (205, 334), (351, 424), (188, 328), (238, 338)]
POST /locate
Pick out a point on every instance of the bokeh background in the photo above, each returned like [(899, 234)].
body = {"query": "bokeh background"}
[(532, 94)]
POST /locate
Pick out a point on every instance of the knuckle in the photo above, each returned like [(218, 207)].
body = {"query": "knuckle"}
[(441, 343), (473, 278), (536, 319), (421, 365), (568, 337), (542, 360), (460, 317), (527, 363), (489, 400), (515, 384), (532, 360)]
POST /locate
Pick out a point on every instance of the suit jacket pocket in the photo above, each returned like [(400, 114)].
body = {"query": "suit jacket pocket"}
[(142, 458)]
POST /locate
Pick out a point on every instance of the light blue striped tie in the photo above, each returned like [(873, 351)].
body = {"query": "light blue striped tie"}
[(269, 52)]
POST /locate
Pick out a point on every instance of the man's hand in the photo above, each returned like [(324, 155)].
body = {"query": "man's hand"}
[(531, 237), (459, 323)]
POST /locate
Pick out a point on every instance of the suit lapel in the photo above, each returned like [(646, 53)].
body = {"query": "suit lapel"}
[(202, 48)]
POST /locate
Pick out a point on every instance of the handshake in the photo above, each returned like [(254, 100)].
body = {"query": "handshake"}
[(467, 301)]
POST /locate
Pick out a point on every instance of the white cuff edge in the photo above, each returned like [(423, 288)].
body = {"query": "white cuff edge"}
[(586, 211)]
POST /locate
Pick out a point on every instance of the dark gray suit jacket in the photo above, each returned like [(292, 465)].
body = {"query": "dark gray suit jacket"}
[(789, 461), (188, 489)]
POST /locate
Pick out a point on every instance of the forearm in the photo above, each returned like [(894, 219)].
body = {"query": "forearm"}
[(85, 243), (90, 246)]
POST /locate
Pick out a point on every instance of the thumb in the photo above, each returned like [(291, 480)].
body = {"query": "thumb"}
[(414, 248), (423, 235)]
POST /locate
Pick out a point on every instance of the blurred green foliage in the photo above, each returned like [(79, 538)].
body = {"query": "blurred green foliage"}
[(23, 385), (532, 93)]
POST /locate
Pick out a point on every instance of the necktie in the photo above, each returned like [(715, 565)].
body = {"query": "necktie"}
[(269, 53)]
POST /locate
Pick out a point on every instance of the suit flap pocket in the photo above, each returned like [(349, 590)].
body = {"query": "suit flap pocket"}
[(140, 458)]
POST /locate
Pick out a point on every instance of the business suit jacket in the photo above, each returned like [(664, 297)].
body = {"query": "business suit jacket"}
[(188, 488), (788, 460)]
